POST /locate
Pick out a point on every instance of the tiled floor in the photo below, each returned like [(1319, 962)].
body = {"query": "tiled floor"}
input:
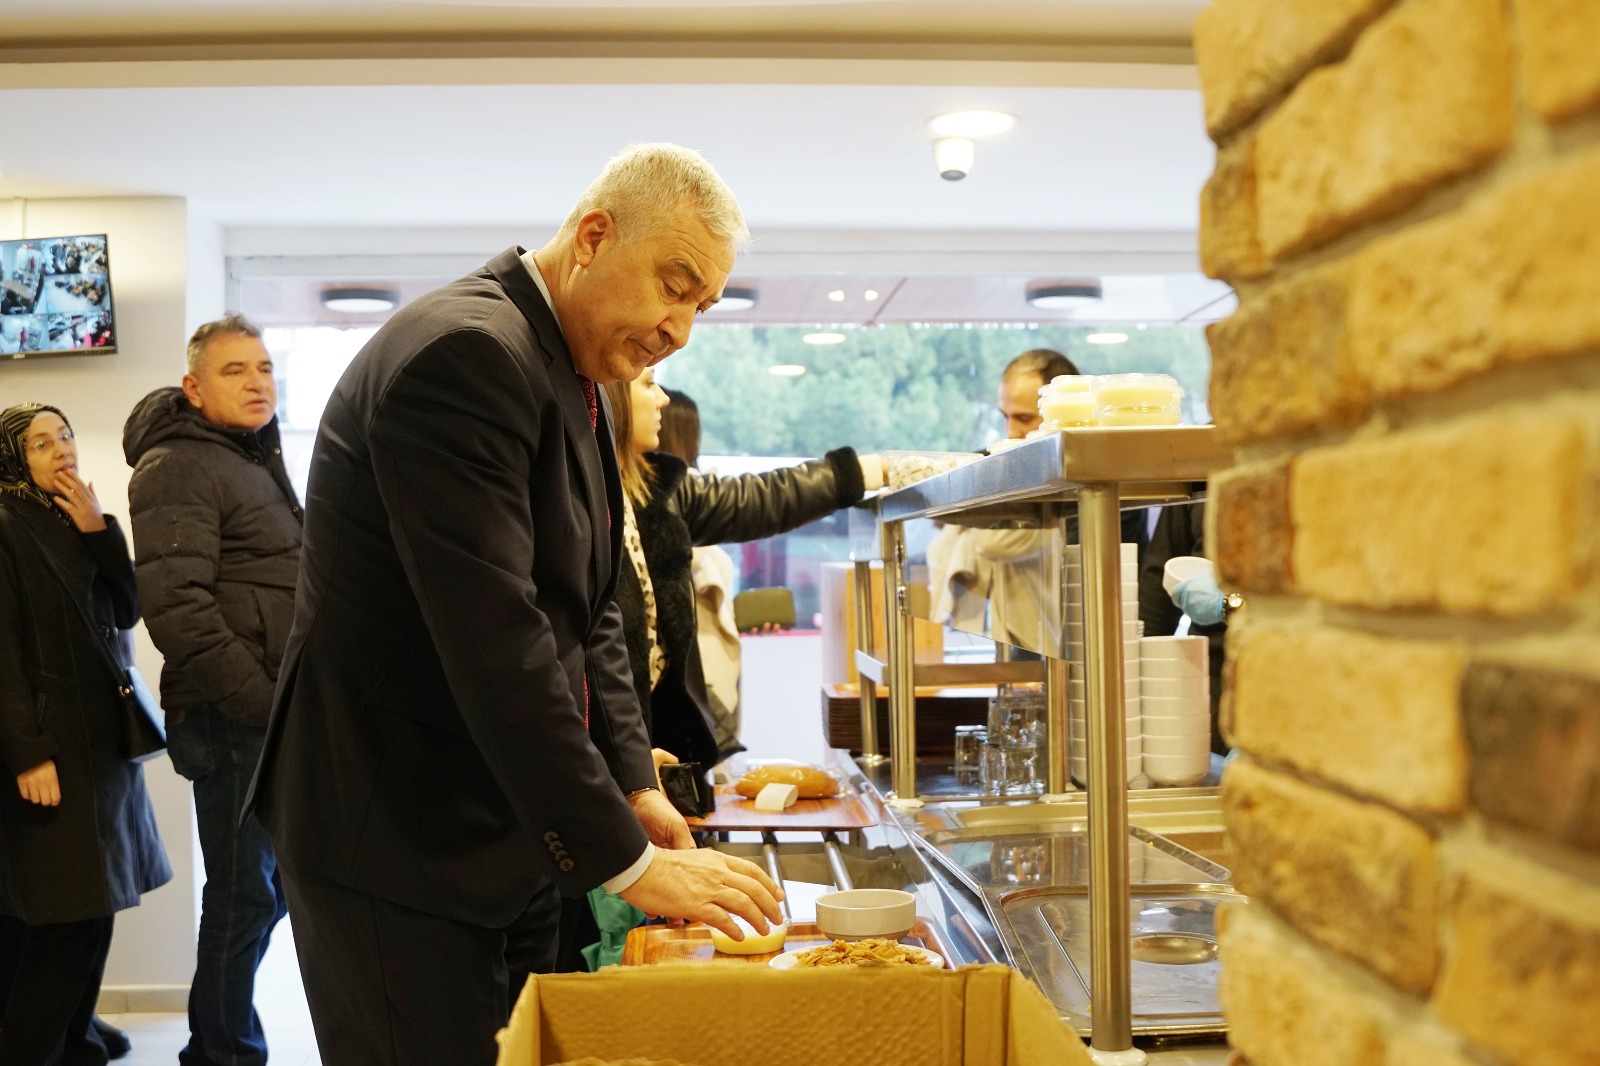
[(157, 1038)]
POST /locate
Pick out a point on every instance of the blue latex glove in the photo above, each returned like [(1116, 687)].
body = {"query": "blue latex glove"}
[(1200, 598)]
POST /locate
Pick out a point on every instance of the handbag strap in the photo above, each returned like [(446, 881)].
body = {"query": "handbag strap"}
[(119, 671)]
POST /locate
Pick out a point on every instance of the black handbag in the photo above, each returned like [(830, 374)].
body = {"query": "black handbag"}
[(139, 719), (688, 788)]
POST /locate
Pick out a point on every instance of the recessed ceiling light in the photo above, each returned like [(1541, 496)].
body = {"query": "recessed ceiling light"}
[(786, 370), (736, 298), (837, 296), (1106, 338), (870, 295), (1063, 294), (971, 123), (824, 338), (355, 301)]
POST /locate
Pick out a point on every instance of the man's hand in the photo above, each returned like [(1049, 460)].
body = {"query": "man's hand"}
[(661, 821), (707, 886), (40, 785)]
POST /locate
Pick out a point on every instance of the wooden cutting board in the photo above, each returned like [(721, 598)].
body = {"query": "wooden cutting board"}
[(847, 810), (651, 944)]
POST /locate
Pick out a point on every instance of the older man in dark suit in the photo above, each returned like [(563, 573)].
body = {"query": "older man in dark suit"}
[(455, 738)]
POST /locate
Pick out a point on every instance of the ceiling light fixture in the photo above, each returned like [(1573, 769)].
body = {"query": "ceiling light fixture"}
[(736, 298), (786, 370), (1106, 338), (837, 296), (870, 295), (360, 300), (1062, 295), (824, 338), (953, 157), (971, 123)]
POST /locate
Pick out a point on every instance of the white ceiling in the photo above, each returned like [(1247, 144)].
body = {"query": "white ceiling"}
[(397, 118), (799, 156)]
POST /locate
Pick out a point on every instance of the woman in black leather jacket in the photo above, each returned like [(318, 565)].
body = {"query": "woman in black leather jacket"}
[(671, 511)]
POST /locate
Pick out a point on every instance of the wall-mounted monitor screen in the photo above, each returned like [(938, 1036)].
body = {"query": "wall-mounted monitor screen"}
[(55, 297)]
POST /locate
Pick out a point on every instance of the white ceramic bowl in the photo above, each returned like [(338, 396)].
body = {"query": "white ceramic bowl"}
[(1130, 631), (1191, 649), (1172, 706), (1182, 726), (1176, 770), (753, 943), (1199, 744), (1079, 749), (1171, 668), (1079, 690), (866, 912), (1079, 768), (1181, 568), (1190, 688)]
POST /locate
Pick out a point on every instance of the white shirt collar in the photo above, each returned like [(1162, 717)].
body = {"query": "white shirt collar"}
[(544, 290)]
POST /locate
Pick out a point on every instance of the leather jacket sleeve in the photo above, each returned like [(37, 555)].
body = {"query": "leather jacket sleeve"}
[(721, 510)]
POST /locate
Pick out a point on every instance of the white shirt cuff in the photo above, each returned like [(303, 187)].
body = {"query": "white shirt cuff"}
[(624, 881)]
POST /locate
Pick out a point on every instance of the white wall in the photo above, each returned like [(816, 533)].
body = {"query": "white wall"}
[(149, 246)]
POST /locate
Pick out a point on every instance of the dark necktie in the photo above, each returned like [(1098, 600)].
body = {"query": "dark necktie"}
[(592, 401)]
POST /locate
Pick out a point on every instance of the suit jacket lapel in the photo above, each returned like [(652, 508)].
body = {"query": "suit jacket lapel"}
[(599, 468)]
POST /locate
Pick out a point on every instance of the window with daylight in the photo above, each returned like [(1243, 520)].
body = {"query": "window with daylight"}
[(811, 365)]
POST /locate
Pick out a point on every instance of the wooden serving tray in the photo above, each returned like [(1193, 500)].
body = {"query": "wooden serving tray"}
[(648, 945), (847, 810)]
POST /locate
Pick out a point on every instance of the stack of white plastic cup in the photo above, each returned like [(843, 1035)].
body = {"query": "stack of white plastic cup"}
[(1175, 697), (1078, 697)]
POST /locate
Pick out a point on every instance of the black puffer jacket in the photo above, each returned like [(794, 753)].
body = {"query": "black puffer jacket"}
[(216, 534), (686, 510)]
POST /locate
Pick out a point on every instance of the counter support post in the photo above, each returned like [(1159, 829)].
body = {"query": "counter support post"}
[(871, 755), (900, 672), (1100, 530), (1056, 692)]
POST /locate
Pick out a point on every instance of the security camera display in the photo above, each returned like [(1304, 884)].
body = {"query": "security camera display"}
[(55, 296)]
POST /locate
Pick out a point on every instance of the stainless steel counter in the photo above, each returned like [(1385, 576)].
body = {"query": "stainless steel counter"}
[(893, 854)]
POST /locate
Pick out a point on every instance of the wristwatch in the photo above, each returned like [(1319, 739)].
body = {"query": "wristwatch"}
[(1231, 602)]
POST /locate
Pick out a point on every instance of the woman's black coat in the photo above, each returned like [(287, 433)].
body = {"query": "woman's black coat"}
[(99, 850), (687, 510)]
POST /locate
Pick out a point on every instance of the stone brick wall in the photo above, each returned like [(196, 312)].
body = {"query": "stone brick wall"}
[(1407, 199)]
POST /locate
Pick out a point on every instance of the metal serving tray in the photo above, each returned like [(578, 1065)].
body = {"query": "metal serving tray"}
[(1012, 856), (1174, 967)]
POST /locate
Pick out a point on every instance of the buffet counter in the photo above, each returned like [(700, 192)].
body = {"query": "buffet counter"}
[(966, 860)]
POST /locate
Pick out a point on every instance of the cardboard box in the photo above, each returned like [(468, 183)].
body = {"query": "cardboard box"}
[(711, 1015)]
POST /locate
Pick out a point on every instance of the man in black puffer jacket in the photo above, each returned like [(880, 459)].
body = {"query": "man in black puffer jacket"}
[(216, 533)]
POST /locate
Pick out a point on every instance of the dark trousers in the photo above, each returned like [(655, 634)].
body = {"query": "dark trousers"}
[(243, 897), (48, 1015), (391, 986)]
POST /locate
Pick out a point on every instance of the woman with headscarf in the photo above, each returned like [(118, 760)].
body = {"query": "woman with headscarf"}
[(78, 839)]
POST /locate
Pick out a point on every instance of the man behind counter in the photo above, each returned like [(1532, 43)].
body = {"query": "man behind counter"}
[(456, 738)]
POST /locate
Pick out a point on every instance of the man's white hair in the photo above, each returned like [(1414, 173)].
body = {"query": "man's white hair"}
[(645, 185)]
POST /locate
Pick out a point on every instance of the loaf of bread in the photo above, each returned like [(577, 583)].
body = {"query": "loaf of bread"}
[(812, 782)]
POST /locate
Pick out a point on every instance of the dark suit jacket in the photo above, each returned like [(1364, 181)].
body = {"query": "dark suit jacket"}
[(427, 743)]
